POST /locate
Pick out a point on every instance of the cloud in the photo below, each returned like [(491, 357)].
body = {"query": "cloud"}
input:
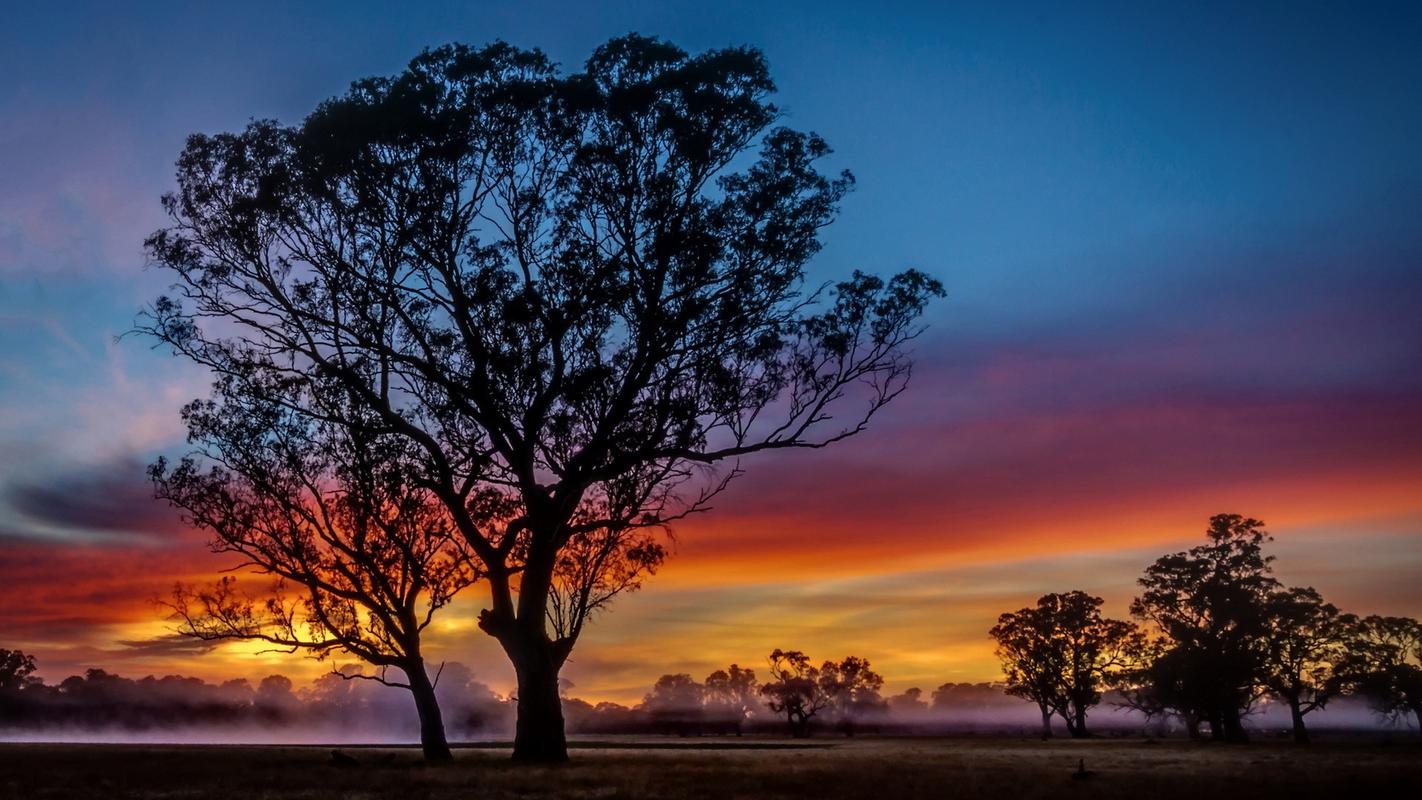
[(115, 497), (171, 645)]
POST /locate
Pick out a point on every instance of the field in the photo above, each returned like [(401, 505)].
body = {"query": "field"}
[(879, 768)]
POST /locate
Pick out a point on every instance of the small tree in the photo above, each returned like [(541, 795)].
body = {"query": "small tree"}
[(362, 557), (1384, 664), (1061, 653), (732, 695), (1212, 604), (1305, 641), (795, 690), (557, 288)]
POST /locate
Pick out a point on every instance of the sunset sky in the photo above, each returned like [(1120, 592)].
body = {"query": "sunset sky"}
[(1183, 256)]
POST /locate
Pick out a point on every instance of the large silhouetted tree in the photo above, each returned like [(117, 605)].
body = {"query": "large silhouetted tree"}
[(557, 289), (362, 556), (1383, 662), (1306, 640), (1061, 653), (1212, 603)]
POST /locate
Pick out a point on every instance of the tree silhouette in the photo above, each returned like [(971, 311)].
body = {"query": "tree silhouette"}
[(795, 690), (362, 556), (732, 695), (1306, 640), (852, 689), (909, 703), (675, 703), (1061, 653), (1212, 604), (556, 289), (16, 670), (1383, 662)]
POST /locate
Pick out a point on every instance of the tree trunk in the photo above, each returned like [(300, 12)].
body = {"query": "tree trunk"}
[(1300, 732), (539, 736), (432, 737), (1079, 729), (1233, 725), (1192, 726), (1046, 722)]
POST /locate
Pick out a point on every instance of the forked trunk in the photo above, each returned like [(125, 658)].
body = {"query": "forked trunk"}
[(1046, 721), (432, 737), (539, 736)]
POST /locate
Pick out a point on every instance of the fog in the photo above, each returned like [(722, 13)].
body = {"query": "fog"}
[(99, 707)]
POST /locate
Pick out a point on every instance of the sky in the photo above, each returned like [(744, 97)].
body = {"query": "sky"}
[(1183, 254)]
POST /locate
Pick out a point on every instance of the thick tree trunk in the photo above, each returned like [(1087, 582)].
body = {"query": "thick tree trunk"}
[(1233, 725), (1300, 732), (1078, 730), (1046, 722), (432, 737), (539, 736)]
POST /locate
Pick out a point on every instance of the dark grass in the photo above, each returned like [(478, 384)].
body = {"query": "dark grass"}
[(882, 769)]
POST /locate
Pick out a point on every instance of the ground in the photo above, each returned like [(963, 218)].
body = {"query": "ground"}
[(878, 768)]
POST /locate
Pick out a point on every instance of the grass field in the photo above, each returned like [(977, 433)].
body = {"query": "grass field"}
[(879, 768)]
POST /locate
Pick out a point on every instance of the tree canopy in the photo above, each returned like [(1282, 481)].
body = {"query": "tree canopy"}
[(568, 294)]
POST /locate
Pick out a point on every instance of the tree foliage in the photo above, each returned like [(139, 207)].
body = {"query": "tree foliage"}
[(1212, 605), (1061, 653), (1383, 662), (556, 290)]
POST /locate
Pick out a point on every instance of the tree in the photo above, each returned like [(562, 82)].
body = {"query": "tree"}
[(1383, 662), (363, 557), (1212, 604), (556, 289), (1060, 654), (16, 670), (1305, 641), (731, 695), (795, 690), (909, 703), (852, 689), (676, 702)]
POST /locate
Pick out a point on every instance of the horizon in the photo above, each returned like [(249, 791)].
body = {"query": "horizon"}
[(1182, 261)]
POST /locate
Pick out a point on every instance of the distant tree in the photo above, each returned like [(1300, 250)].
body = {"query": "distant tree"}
[(1060, 654), (732, 695), (1212, 604), (274, 697), (1306, 639), (676, 702), (1383, 662), (338, 513), (909, 703), (852, 688), (968, 696), (795, 690), (16, 670), (556, 288)]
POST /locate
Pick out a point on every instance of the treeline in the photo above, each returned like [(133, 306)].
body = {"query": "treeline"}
[(1215, 635), (843, 696), (100, 700)]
